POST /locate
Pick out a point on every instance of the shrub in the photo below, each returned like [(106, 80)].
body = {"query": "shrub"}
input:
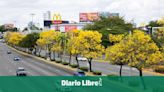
[(74, 66), (65, 63), (84, 68), (42, 56), (97, 72), (159, 69), (58, 61), (52, 59)]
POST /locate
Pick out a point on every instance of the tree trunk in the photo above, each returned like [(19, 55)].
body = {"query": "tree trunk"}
[(34, 51), (120, 70), (39, 52), (70, 58), (140, 72), (61, 56), (77, 61), (58, 55), (54, 56), (49, 55), (90, 64)]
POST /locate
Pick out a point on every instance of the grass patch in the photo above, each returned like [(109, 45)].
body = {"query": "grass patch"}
[(84, 68), (74, 66), (97, 72), (65, 63), (57, 61)]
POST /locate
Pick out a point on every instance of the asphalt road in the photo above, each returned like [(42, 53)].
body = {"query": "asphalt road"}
[(105, 67), (33, 66)]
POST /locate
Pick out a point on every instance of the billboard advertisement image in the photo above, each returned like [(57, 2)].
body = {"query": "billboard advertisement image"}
[(89, 17)]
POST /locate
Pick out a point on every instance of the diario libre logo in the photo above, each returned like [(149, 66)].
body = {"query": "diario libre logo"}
[(82, 83)]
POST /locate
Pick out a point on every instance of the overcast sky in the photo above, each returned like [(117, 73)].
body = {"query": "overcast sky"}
[(18, 11)]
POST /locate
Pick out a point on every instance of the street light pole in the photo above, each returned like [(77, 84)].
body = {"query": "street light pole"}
[(32, 16)]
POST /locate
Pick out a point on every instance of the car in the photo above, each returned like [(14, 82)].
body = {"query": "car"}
[(21, 72), (79, 73), (8, 52), (82, 59), (16, 58)]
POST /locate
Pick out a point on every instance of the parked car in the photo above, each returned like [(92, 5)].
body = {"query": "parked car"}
[(79, 73), (8, 52), (16, 58), (21, 72), (82, 59)]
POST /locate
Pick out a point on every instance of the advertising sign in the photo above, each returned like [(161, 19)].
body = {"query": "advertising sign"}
[(89, 17), (70, 27), (57, 19)]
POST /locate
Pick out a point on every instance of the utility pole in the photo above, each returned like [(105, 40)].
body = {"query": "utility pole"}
[(32, 17)]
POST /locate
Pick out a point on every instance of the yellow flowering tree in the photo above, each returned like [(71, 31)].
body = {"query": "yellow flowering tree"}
[(159, 38), (89, 43), (115, 38), (46, 40), (56, 47), (73, 45), (161, 21), (116, 55), (40, 44), (13, 38), (139, 48)]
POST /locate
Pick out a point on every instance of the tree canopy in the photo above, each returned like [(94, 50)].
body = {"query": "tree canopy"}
[(111, 25)]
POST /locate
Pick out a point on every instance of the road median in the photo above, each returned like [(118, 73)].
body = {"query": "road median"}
[(49, 62)]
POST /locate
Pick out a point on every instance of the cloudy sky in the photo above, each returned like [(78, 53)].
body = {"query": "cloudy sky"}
[(18, 11)]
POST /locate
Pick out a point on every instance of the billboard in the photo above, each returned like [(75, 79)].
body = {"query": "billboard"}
[(48, 23), (89, 17)]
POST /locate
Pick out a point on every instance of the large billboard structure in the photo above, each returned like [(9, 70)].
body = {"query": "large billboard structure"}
[(89, 17), (94, 16)]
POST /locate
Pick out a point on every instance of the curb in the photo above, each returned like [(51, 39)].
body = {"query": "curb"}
[(154, 73), (49, 62)]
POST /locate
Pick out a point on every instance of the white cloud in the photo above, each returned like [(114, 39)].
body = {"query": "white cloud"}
[(19, 10)]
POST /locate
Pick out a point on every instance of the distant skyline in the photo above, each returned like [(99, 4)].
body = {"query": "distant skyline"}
[(18, 11)]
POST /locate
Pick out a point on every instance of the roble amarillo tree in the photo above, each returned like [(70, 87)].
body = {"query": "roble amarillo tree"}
[(137, 50), (90, 45), (73, 45), (115, 38), (46, 40), (115, 53), (13, 38)]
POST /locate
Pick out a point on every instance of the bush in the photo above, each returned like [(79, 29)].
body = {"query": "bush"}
[(74, 66), (159, 69), (52, 59), (84, 68), (65, 63), (58, 61), (42, 56), (97, 72)]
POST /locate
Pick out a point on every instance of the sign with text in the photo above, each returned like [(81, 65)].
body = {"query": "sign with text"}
[(70, 27)]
